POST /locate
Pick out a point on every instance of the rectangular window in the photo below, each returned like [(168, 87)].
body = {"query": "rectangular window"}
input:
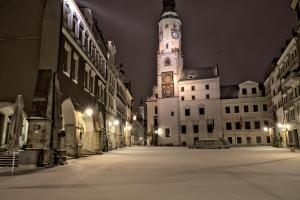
[(92, 83), (196, 128), (168, 132), (187, 112), (236, 109), (182, 89), (207, 96), (257, 124), (75, 20), (193, 88), (155, 121), (268, 139), (193, 97), (247, 125), (249, 140), (255, 108), (227, 109), (244, 91), (172, 113), (228, 126), (266, 123), (239, 140), (87, 77), (238, 125), (254, 91), (183, 129), (229, 140), (67, 59), (258, 139), (210, 128), (75, 68), (207, 87), (246, 109), (201, 111), (265, 107), (182, 98), (155, 110)]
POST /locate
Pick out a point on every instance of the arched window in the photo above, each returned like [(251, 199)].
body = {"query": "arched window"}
[(167, 61)]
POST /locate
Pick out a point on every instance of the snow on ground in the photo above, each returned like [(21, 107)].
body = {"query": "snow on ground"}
[(165, 173)]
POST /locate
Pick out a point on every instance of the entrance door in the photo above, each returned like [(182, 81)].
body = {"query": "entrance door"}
[(296, 139)]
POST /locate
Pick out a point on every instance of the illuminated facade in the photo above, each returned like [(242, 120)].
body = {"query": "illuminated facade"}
[(185, 104), (76, 99)]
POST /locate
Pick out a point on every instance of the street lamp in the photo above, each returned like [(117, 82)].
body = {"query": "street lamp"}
[(134, 117), (129, 127), (88, 112), (266, 129), (116, 122)]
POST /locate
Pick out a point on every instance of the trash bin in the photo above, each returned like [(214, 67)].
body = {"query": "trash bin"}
[(292, 146)]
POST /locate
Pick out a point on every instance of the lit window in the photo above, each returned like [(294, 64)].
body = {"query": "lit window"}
[(67, 59), (75, 68)]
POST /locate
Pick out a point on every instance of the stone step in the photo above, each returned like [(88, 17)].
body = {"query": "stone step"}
[(6, 160)]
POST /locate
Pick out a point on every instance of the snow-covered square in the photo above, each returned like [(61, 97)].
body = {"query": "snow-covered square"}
[(165, 173)]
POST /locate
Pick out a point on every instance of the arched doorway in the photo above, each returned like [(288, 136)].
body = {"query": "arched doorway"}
[(72, 139)]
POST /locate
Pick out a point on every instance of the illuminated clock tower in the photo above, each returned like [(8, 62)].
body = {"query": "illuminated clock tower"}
[(169, 57), (169, 68)]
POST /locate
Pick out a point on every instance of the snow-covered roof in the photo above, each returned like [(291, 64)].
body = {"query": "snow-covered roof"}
[(200, 73)]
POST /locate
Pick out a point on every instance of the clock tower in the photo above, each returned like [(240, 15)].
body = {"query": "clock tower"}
[(169, 68), (169, 56)]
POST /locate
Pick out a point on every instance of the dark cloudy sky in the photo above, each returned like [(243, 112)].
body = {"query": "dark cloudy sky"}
[(241, 36)]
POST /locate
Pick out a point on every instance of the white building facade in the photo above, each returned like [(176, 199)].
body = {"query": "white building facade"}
[(245, 115), (185, 105)]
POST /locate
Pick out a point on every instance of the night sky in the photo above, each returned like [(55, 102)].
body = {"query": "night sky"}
[(241, 36)]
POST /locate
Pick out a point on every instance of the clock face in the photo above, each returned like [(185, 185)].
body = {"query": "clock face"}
[(168, 91), (175, 34), (168, 79)]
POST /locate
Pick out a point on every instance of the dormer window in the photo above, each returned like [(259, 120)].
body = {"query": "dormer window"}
[(167, 61), (191, 77)]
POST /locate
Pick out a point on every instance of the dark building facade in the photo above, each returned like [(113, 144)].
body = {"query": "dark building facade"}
[(66, 78)]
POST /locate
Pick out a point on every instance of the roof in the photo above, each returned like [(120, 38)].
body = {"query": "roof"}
[(229, 92), (200, 73)]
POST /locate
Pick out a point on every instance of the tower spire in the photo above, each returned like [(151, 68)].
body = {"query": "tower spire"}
[(169, 6)]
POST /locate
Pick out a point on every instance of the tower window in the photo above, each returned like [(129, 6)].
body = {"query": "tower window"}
[(187, 112), (167, 26), (174, 26), (167, 46), (167, 61)]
